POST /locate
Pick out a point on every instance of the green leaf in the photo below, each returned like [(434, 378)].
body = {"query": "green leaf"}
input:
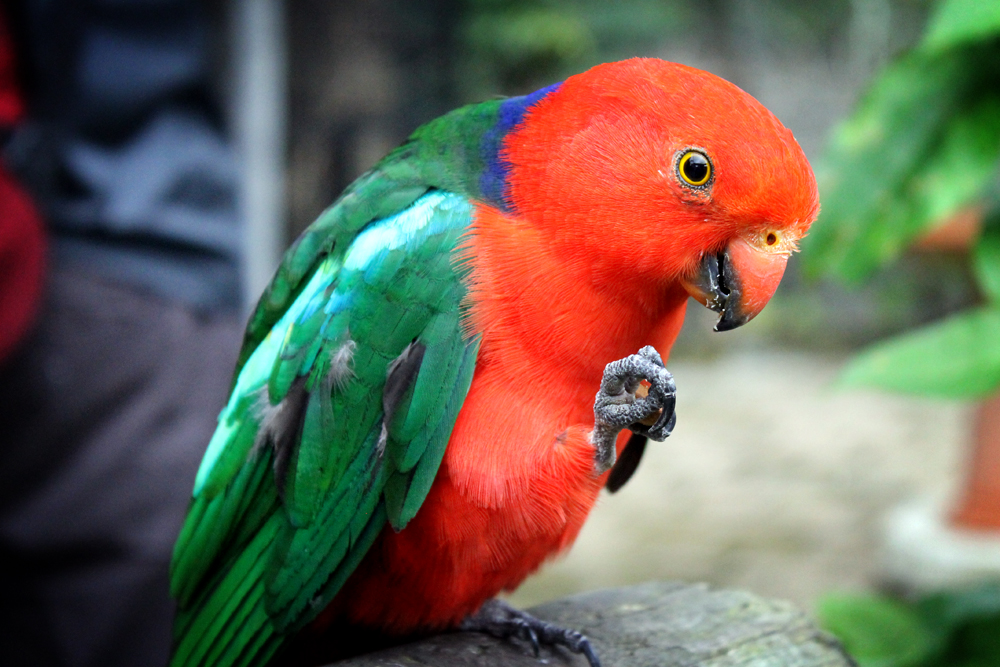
[(956, 358), (957, 22), (866, 218), (876, 631), (950, 609), (986, 261), (961, 167), (968, 621), (523, 34)]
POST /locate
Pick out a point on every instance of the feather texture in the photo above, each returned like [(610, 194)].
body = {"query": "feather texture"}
[(409, 429), (293, 481)]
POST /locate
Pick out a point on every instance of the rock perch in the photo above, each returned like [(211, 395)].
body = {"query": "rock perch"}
[(650, 625)]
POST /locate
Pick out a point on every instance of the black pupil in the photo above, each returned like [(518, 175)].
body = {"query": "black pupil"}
[(695, 168)]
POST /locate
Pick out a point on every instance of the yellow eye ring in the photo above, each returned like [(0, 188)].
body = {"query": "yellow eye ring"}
[(694, 168)]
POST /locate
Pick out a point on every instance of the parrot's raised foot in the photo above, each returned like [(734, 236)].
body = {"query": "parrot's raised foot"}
[(499, 619), (618, 406)]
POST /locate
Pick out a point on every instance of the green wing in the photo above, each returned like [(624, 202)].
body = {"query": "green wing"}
[(447, 154), (353, 371)]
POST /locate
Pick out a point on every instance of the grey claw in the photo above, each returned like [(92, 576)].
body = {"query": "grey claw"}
[(536, 648), (616, 406), (501, 620), (664, 425)]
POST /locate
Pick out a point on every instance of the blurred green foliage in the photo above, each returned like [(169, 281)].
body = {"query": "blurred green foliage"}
[(951, 629), (956, 358), (923, 144), (517, 46)]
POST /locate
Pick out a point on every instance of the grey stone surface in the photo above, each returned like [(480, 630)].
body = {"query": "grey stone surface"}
[(654, 624)]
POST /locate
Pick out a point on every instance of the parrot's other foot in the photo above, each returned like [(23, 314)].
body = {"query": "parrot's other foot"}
[(499, 619), (620, 403)]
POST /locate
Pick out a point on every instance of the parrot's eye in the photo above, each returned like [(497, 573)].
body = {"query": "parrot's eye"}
[(694, 168)]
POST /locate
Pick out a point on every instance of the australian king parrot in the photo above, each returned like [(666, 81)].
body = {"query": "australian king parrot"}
[(413, 426)]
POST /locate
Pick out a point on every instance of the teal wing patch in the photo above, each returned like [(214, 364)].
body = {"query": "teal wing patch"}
[(316, 451), (394, 184)]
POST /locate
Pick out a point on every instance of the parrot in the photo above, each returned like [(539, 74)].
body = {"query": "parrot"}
[(464, 349)]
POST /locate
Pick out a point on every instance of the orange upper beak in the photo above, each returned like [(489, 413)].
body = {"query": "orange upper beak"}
[(737, 282)]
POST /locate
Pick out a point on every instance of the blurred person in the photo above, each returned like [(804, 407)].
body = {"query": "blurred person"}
[(106, 404), (22, 240)]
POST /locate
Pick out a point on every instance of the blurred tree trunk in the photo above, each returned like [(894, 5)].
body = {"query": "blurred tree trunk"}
[(979, 499), (979, 508)]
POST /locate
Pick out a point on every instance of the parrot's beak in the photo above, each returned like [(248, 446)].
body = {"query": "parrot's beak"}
[(737, 282)]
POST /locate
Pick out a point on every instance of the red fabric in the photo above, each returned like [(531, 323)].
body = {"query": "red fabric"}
[(22, 241), (22, 262), (11, 104)]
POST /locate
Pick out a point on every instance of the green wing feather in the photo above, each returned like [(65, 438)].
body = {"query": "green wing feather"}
[(445, 154), (305, 469)]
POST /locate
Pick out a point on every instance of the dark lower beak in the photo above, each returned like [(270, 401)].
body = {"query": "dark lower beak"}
[(717, 287), (736, 282)]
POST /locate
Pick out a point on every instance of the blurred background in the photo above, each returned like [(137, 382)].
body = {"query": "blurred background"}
[(806, 464)]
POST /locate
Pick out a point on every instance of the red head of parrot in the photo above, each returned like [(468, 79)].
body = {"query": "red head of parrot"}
[(668, 175)]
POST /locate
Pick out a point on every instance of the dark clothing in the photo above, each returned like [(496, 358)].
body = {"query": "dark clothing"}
[(22, 239), (105, 415), (107, 406), (123, 147)]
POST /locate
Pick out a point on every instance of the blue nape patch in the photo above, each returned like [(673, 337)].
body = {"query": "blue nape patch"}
[(493, 182)]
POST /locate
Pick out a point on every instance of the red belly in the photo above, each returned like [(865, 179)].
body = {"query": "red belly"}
[(452, 557), (515, 486)]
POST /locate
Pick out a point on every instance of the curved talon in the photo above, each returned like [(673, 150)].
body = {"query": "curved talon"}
[(668, 417), (661, 429), (588, 652), (531, 636)]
